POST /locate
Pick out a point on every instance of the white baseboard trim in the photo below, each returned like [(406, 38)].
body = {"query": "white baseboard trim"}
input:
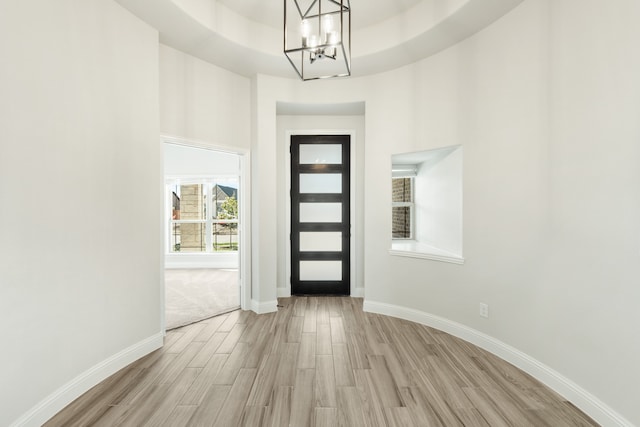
[(66, 394), (357, 292), (578, 396), (264, 307), (284, 292)]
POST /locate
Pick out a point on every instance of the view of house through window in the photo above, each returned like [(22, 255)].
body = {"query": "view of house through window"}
[(204, 215), (402, 208)]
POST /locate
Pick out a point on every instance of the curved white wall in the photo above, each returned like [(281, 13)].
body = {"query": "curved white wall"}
[(202, 102), (545, 103), (80, 173)]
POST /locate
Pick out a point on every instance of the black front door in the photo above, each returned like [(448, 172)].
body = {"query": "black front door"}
[(320, 214)]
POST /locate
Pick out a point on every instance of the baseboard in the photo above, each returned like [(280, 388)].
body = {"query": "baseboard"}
[(578, 396), (357, 292), (66, 394), (264, 307)]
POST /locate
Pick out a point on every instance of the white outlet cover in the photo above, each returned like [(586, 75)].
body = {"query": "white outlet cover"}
[(484, 310)]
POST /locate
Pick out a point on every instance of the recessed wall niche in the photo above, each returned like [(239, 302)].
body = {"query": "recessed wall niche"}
[(427, 204)]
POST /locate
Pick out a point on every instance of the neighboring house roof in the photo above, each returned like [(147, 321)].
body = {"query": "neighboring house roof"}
[(228, 191)]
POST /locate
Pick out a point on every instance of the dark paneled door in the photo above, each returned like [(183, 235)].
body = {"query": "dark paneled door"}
[(320, 214)]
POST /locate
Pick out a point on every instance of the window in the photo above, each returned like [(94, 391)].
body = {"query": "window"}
[(402, 208), (204, 215), (426, 204)]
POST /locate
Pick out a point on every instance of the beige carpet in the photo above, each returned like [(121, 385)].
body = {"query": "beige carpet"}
[(196, 294)]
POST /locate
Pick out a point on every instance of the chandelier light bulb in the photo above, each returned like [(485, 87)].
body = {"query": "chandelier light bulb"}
[(305, 28), (327, 24), (312, 40), (332, 38)]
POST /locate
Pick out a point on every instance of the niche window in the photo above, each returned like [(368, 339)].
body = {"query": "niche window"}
[(426, 206), (402, 207)]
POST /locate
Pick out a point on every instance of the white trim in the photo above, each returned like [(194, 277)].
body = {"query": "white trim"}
[(264, 307), (244, 203), (353, 219), (357, 292), (66, 394), (284, 292), (422, 255), (187, 142), (244, 234), (588, 403)]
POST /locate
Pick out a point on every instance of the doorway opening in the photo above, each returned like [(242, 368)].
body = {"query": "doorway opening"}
[(203, 210), (320, 214)]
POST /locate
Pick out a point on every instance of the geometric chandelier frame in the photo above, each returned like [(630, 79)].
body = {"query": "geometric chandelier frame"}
[(317, 37)]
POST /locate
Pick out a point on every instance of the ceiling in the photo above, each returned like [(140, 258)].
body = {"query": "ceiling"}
[(246, 36), (270, 12)]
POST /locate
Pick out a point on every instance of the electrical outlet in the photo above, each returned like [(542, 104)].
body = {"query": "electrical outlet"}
[(484, 310)]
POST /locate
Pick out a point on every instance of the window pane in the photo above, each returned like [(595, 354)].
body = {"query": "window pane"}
[(320, 153), (225, 237), (175, 204), (321, 241), (320, 270), (401, 189), (320, 183), (187, 238), (225, 199), (320, 212), (401, 222), (188, 202)]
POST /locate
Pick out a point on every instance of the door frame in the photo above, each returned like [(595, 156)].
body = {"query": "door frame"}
[(352, 214), (244, 217)]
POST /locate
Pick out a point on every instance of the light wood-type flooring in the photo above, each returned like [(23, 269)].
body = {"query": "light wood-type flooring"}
[(318, 361)]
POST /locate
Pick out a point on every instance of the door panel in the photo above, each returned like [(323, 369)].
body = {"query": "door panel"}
[(320, 270), (320, 212), (323, 154), (325, 183), (320, 241)]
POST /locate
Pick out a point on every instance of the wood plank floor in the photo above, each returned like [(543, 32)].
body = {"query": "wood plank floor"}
[(318, 361)]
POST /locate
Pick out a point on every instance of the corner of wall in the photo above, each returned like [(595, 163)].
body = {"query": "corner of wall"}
[(264, 307), (284, 292), (357, 292)]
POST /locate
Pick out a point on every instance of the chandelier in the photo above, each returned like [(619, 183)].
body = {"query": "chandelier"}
[(317, 37)]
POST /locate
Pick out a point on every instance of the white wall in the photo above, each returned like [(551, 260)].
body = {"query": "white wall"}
[(80, 172), (590, 273), (545, 103), (438, 203), (202, 102), (192, 161)]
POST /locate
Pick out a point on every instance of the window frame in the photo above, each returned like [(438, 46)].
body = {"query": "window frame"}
[(208, 183), (411, 205)]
